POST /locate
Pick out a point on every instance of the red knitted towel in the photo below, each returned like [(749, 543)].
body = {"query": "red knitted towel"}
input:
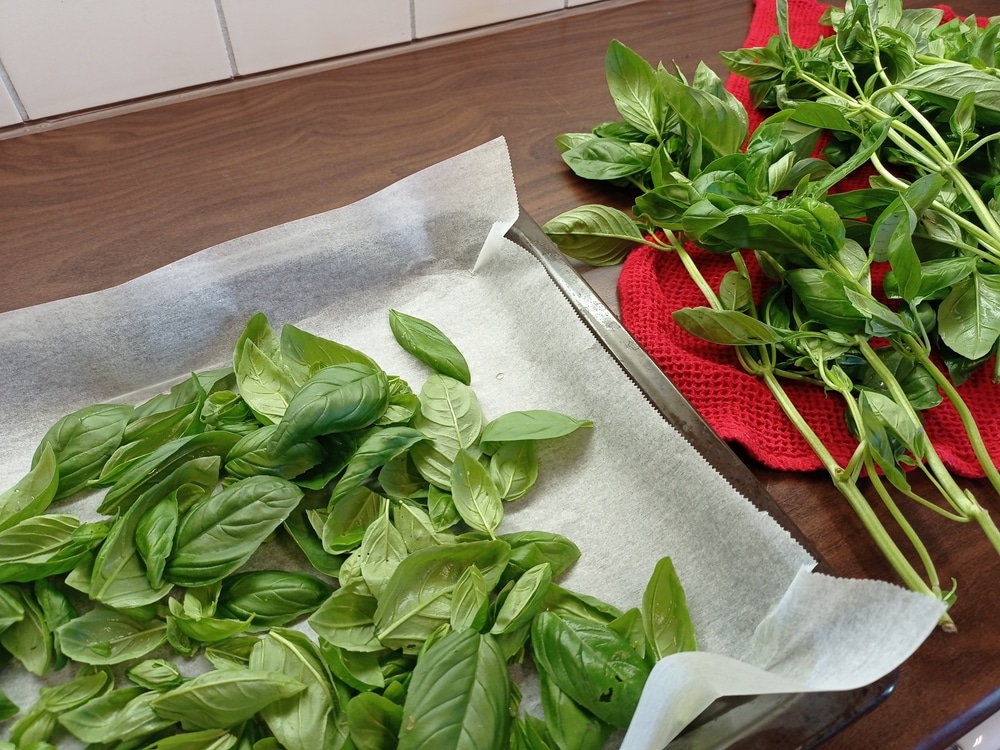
[(738, 406)]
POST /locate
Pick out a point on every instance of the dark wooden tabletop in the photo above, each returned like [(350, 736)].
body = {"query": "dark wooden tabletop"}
[(100, 201)]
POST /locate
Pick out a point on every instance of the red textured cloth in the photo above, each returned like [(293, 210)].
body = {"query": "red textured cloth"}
[(739, 407)]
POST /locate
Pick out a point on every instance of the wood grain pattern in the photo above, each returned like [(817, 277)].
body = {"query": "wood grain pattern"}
[(92, 205)]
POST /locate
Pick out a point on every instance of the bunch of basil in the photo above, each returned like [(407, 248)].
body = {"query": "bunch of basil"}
[(416, 607), (917, 100)]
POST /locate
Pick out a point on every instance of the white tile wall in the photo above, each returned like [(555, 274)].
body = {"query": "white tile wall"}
[(68, 55), (8, 112), (433, 17), (266, 34)]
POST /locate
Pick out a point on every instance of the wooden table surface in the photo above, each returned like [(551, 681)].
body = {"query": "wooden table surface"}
[(95, 203)]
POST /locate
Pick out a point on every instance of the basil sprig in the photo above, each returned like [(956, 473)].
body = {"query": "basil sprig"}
[(893, 89)]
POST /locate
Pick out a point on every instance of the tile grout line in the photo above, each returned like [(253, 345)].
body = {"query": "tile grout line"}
[(9, 85), (226, 40)]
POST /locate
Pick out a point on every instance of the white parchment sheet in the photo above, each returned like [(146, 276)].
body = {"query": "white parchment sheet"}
[(628, 492)]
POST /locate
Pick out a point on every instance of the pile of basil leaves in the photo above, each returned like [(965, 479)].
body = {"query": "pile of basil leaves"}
[(161, 626), (898, 91)]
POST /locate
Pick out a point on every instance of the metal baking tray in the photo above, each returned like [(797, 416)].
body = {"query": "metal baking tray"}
[(772, 722)]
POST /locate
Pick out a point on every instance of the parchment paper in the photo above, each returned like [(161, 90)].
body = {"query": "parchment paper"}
[(628, 492)]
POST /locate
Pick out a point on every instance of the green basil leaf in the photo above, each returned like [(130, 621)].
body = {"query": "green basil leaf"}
[(155, 674), (374, 721), (120, 716), (252, 455), (594, 234), (224, 698), (451, 418), (272, 597), (11, 609), (721, 125), (349, 519), (207, 739), (311, 718), (531, 548), (604, 159), (536, 424), (347, 618), (220, 534), (340, 398), (29, 639), (82, 442), (39, 723), (568, 723), (121, 576), (441, 509), (458, 696), (591, 663), (154, 537), (426, 342), (665, 615), (306, 353), (635, 89), (382, 549), (969, 317), (476, 498), (727, 327), (377, 448), (416, 527), (161, 463), (470, 603), (524, 600), (56, 610), (360, 670), (33, 493), (513, 467), (106, 636), (44, 546), (417, 598), (201, 629)]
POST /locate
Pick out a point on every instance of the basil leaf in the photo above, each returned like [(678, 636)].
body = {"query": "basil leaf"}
[(155, 674), (45, 546), (349, 518), (665, 615), (56, 611), (426, 342), (252, 455), (82, 441), (160, 463), (476, 498), (221, 533), (154, 537), (360, 670), (604, 159), (382, 549), (261, 377), (591, 663), (457, 696), (635, 89), (106, 636), (594, 234), (513, 468), (536, 424), (524, 600), (347, 618), (305, 353), (120, 716), (207, 739), (727, 327), (470, 603), (224, 699), (311, 718), (570, 725), (340, 398), (416, 528), (377, 448), (417, 598), (38, 723), (969, 317), (28, 639), (272, 597), (374, 721), (33, 493), (121, 576), (451, 418), (531, 548)]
